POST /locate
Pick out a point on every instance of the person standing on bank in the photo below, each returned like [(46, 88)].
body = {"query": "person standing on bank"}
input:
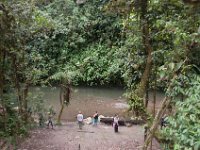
[(51, 114), (50, 122), (116, 123), (95, 118), (80, 119)]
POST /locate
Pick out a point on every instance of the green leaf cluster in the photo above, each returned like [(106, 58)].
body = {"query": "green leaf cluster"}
[(184, 126)]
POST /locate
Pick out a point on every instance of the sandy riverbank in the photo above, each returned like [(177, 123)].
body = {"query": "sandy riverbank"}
[(69, 137)]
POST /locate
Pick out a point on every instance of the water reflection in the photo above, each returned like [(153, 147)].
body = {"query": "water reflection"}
[(89, 100), (86, 99)]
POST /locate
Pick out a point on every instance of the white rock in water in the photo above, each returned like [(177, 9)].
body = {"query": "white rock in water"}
[(121, 105), (16, 108), (101, 116), (128, 124), (88, 120), (80, 1)]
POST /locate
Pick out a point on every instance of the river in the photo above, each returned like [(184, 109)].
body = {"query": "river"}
[(107, 101)]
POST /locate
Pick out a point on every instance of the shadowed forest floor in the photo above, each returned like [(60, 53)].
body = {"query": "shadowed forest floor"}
[(69, 137)]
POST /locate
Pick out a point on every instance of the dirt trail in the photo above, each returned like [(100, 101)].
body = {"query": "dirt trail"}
[(69, 137)]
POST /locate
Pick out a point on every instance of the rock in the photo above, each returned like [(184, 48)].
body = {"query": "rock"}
[(121, 105), (128, 124), (88, 120), (101, 116), (80, 2)]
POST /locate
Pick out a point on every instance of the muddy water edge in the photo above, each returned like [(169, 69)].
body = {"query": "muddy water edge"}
[(107, 101)]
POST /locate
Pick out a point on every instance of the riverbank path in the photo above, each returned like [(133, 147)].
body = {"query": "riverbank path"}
[(69, 137)]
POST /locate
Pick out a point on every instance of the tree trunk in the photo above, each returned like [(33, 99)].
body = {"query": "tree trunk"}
[(64, 98), (142, 86), (17, 84), (25, 101), (156, 122), (2, 59), (60, 113), (154, 96), (61, 104), (147, 97), (154, 102), (141, 89), (2, 82)]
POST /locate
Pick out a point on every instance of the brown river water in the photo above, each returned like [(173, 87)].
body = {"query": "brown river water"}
[(107, 101)]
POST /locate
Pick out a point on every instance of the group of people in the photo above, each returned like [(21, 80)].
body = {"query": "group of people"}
[(95, 120), (80, 120)]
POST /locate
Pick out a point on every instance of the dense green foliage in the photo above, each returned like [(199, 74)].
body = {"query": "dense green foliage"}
[(79, 38), (17, 27), (183, 129), (42, 41)]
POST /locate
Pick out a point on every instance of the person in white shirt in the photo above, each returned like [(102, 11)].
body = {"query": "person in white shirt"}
[(80, 119), (116, 123)]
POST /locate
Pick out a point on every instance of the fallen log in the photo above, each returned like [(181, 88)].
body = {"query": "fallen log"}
[(122, 122), (85, 131)]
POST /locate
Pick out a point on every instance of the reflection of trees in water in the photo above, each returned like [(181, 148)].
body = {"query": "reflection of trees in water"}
[(87, 99)]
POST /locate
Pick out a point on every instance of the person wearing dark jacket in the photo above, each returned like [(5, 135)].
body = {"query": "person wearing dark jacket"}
[(95, 118)]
